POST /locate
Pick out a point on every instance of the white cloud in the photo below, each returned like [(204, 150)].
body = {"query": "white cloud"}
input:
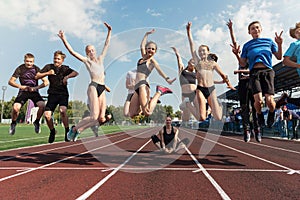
[(153, 13), (78, 17)]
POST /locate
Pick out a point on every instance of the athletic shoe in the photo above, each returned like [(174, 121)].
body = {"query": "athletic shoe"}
[(163, 90), (182, 106), (76, 135), (282, 100), (71, 134), (95, 130), (261, 120), (12, 129), (270, 119), (37, 127), (247, 136), (52, 136), (257, 135)]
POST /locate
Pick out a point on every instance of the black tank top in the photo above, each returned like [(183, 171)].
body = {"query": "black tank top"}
[(142, 68), (187, 77), (168, 138)]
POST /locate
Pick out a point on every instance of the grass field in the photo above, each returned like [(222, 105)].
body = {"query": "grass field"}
[(25, 135)]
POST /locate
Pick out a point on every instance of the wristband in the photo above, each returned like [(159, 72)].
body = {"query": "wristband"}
[(167, 78)]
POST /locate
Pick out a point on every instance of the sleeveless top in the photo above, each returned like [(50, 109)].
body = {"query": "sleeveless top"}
[(187, 77), (143, 68), (168, 138)]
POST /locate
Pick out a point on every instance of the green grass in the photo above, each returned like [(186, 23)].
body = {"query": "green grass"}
[(25, 135)]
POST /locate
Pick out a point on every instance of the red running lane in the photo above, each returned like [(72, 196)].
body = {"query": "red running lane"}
[(241, 170)]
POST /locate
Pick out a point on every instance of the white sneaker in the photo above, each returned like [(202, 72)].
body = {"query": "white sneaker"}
[(182, 106)]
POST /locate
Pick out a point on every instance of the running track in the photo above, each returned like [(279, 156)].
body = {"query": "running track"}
[(126, 166)]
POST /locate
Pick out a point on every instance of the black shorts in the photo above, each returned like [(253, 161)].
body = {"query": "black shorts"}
[(24, 96), (262, 80), (129, 96), (56, 99)]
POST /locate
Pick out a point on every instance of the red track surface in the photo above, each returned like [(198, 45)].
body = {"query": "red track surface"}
[(127, 166)]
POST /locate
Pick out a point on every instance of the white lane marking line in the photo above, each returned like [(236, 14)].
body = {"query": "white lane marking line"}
[(195, 170), (245, 153), (209, 177), (100, 183), (57, 148), (49, 164), (260, 144)]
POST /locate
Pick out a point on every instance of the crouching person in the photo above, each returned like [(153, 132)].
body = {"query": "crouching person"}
[(167, 139)]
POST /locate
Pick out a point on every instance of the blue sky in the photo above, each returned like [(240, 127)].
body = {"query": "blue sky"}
[(31, 26)]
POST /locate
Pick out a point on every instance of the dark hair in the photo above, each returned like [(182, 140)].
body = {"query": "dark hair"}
[(254, 22), (293, 30), (213, 56)]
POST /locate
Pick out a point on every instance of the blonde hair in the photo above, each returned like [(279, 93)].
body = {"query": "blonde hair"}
[(293, 30), (57, 53)]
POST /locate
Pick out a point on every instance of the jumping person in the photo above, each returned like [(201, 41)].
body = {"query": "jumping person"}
[(245, 93), (141, 101), (130, 83), (291, 52), (58, 94), (258, 54), (95, 92), (187, 78), (206, 88), (28, 89)]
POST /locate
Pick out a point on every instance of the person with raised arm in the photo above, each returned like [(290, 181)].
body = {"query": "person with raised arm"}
[(141, 101), (96, 88)]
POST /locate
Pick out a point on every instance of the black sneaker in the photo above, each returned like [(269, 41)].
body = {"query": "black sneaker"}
[(247, 135), (37, 127), (52, 136), (270, 119), (261, 120), (12, 129), (257, 135), (282, 100)]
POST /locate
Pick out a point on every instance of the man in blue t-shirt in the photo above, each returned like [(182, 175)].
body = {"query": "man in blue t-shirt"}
[(292, 52), (258, 53)]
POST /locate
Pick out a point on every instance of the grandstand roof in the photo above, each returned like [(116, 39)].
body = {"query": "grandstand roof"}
[(286, 78)]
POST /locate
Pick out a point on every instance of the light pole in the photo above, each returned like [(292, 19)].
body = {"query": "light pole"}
[(3, 94)]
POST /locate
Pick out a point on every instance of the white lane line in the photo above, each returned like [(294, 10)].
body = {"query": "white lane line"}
[(264, 145), (49, 164), (100, 183), (195, 170), (62, 147), (209, 177), (245, 153)]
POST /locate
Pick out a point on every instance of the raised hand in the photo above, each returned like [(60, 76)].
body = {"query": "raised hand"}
[(278, 38), (107, 25)]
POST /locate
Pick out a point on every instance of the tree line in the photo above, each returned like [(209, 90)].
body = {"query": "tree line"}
[(77, 108)]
